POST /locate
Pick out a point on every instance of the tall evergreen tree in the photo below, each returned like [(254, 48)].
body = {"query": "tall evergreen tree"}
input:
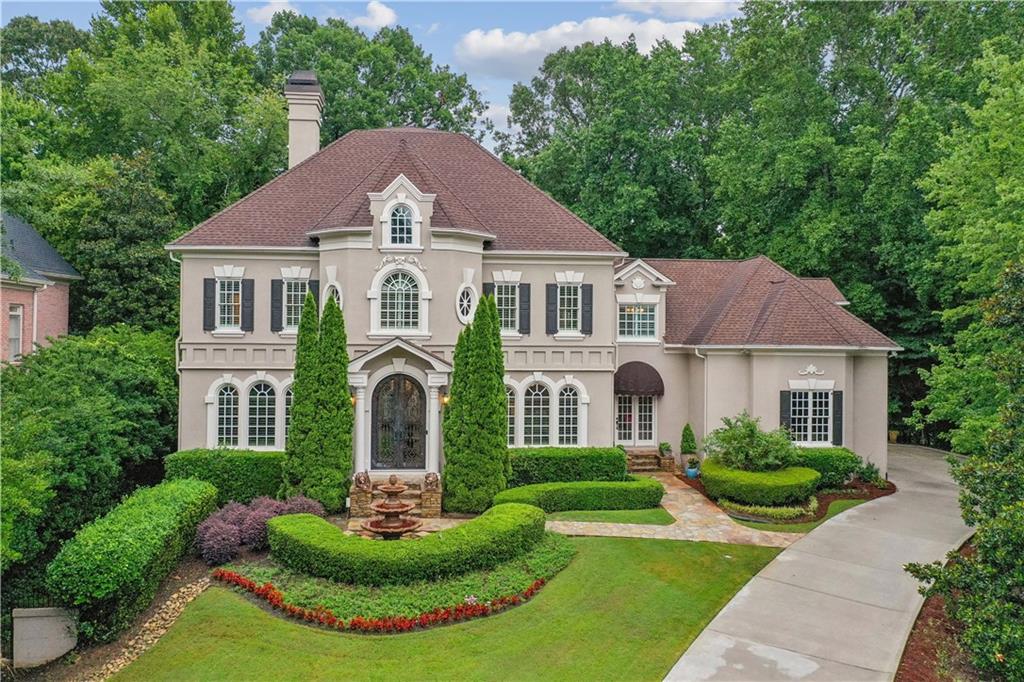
[(476, 455), (305, 387), (328, 477)]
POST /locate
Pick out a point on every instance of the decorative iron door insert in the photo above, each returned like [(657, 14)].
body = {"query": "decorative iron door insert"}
[(399, 424)]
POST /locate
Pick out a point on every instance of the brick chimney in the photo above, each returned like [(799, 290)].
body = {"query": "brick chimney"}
[(305, 105)]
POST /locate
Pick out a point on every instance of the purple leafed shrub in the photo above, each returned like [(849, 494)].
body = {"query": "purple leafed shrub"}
[(220, 543), (300, 504), (219, 537)]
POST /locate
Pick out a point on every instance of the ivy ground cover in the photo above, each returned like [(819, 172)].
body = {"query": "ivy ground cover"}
[(623, 609)]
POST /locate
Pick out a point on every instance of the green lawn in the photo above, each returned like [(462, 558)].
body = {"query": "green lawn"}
[(836, 507), (657, 516), (625, 609)]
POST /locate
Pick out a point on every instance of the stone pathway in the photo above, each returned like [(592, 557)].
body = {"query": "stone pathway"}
[(696, 519), (837, 604)]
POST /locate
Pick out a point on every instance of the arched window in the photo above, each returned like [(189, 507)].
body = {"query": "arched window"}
[(399, 302), (333, 293), (287, 412), (401, 226), (261, 414), (536, 415), (510, 411), (568, 416), (227, 416)]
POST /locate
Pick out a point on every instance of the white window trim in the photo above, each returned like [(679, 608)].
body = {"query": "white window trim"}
[(474, 301), (634, 441), (423, 330), (243, 386), (569, 278), (810, 386), (401, 199), (303, 276), (641, 299), (514, 332), (553, 389), (16, 310)]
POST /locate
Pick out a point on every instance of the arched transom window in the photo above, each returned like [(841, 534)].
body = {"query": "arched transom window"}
[(399, 302), (262, 429), (227, 416), (536, 415), (287, 411), (568, 416), (401, 226)]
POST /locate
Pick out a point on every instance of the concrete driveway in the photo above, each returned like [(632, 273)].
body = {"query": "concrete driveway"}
[(837, 604)]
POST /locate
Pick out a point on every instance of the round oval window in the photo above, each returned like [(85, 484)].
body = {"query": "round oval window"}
[(464, 304)]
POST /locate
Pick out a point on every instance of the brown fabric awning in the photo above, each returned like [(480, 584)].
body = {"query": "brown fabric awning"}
[(638, 378)]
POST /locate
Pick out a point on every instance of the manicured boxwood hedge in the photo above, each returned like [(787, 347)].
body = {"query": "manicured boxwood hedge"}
[(836, 465), (546, 465), (637, 493), (239, 475), (784, 486), (309, 544), (111, 569)]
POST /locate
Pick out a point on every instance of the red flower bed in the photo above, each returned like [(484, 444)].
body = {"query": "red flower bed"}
[(326, 618)]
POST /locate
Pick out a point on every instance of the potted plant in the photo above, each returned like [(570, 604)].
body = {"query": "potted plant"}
[(692, 466)]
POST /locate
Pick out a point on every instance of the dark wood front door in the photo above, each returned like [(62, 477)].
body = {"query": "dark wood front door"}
[(399, 424)]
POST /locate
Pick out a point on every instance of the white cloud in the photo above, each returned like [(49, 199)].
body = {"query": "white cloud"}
[(498, 115), (264, 13), (433, 27), (517, 55), (697, 11), (378, 15)]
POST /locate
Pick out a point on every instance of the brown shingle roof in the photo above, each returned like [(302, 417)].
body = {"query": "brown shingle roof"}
[(755, 302), (826, 288), (475, 191)]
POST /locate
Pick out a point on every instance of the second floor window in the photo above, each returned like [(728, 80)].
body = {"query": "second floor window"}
[(401, 226), (229, 303), (400, 302), (636, 320), (507, 298), (15, 322), (568, 307), (294, 297)]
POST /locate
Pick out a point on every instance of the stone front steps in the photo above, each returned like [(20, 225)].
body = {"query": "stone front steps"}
[(647, 460)]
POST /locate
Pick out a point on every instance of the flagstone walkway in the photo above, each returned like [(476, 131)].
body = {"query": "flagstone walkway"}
[(696, 519)]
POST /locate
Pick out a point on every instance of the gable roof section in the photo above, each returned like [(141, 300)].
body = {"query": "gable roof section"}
[(475, 191), (27, 248), (756, 302)]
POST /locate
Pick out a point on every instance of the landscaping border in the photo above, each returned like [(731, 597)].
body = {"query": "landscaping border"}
[(392, 625)]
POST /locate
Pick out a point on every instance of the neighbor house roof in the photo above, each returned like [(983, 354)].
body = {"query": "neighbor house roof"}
[(474, 191), (756, 302), (38, 260)]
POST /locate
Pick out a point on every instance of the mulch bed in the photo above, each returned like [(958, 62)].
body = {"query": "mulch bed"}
[(933, 652), (855, 490)]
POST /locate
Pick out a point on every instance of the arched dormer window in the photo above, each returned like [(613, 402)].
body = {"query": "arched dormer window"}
[(401, 226), (399, 302)]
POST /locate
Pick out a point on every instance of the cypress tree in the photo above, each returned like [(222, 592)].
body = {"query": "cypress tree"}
[(688, 443), (476, 455), (327, 478), (304, 399)]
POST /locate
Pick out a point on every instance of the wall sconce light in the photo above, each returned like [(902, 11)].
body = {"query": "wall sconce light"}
[(445, 397), (353, 399)]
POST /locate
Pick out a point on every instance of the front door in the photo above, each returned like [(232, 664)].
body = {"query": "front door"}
[(399, 424), (634, 419)]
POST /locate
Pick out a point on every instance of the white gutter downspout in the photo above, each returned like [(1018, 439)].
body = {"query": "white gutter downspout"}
[(704, 432), (177, 349)]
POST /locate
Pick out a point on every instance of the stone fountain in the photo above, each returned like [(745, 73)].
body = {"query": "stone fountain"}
[(392, 523)]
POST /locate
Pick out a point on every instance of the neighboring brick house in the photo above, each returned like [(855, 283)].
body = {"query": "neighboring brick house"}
[(34, 298), (407, 228)]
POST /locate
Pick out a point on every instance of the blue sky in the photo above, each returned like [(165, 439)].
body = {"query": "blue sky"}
[(495, 43)]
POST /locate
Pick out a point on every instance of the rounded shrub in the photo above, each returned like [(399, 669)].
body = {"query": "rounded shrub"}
[(546, 465), (300, 504), (637, 493), (314, 546), (239, 475), (836, 465), (783, 486), (218, 542)]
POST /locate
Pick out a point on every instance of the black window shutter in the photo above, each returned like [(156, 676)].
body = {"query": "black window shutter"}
[(488, 288), (209, 304), (524, 308), (587, 314), (248, 291), (276, 305), (314, 286), (551, 309), (837, 417), (785, 410)]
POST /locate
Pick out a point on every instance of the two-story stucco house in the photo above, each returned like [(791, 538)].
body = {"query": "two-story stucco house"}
[(407, 228)]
